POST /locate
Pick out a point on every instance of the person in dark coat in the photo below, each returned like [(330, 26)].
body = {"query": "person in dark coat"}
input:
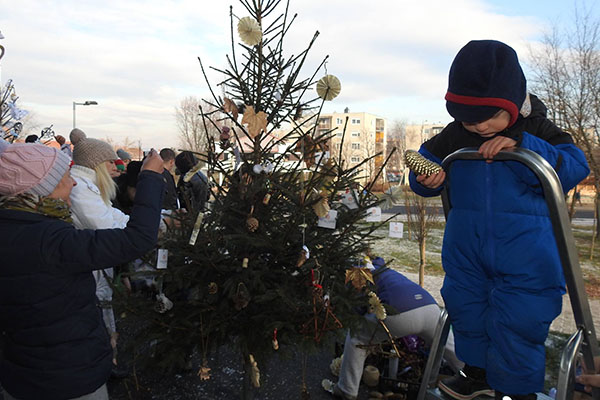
[(170, 200), (193, 184), (56, 344), (504, 282)]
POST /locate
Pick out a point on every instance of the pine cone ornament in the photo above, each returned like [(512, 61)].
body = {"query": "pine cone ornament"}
[(419, 164)]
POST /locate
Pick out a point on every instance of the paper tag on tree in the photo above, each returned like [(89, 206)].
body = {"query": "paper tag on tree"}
[(396, 229), (196, 230), (162, 259), (374, 214), (349, 199), (328, 221)]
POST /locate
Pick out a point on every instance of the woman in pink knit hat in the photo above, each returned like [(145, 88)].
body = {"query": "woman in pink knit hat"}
[(55, 343)]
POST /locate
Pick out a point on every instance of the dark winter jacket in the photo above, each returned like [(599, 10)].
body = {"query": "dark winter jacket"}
[(194, 193), (56, 344), (170, 199), (504, 279)]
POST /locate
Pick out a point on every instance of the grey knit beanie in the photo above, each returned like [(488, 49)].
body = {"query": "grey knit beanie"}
[(123, 155), (90, 152)]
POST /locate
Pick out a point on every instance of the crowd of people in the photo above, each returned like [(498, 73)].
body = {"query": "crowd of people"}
[(69, 216)]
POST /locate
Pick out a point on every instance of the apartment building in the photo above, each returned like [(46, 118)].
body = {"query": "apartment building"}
[(365, 136), (416, 134)]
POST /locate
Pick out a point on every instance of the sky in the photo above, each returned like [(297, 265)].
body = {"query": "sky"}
[(139, 58)]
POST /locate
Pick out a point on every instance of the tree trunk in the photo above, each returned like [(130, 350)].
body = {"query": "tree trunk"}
[(422, 262)]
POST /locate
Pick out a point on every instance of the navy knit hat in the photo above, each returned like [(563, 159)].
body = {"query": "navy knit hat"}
[(484, 78)]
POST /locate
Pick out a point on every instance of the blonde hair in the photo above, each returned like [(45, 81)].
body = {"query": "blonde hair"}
[(106, 185)]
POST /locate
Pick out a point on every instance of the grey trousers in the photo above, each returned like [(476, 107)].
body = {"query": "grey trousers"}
[(100, 394), (420, 321)]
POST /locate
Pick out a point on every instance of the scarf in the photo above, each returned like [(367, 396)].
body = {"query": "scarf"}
[(52, 208)]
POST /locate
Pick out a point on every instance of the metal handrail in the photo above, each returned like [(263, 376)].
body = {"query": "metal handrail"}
[(565, 241), (434, 361), (568, 361)]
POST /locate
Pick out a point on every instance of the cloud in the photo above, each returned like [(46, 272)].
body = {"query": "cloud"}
[(138, 59)]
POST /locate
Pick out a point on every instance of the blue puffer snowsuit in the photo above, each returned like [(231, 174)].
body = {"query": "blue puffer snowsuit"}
[(504, 280)]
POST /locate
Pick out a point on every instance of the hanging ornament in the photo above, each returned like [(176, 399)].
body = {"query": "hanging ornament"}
[(230, 107), (256, 122), (213, 288), (252, 224), (321, 207), (249, 31), (419, 164), (266, 199), (224, 135), (275, 342), (328, 87), (163, 304), (241, 297), (304, 255), (359, 277), (375, 307), (204, 371), (254, 372)]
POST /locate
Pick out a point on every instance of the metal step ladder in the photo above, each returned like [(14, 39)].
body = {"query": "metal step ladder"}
[(584, 340)]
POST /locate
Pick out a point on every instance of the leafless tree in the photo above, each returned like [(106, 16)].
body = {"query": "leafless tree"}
[(192, 129), (396, 138), (420, 215), (567, 78)]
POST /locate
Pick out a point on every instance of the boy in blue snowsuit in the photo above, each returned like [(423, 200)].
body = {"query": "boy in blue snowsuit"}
[(504, 280)]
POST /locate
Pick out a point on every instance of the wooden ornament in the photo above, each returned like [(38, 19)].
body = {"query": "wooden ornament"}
[(419, 164), (252, 224)]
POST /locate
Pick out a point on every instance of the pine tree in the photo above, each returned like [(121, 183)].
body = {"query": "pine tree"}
[(257, 270)]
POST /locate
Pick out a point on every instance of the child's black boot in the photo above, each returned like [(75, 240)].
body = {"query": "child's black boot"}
[(503, 396), (469, 383)]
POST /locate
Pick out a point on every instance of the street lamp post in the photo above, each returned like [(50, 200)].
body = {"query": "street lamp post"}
[(87, 103)]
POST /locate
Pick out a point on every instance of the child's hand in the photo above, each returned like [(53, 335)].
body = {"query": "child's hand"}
[(432, 181), (492, 147), (589, 381)]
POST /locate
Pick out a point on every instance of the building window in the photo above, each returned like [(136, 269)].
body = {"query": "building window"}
[(355, 146), (339, 121), (355, 121), (355, 159), (356, 134)]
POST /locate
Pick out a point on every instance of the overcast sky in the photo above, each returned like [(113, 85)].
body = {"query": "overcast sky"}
[(138, 58)]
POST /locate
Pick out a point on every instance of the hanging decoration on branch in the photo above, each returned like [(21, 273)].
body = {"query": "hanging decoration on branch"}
[(249, 31), (256, 122), (329, 87)]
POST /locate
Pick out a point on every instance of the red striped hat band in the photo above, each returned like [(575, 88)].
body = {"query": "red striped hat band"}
[(486, 101)]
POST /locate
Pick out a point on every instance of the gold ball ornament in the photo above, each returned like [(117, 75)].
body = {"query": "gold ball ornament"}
[(329, 87), (250, 31), (419, 164), (252, 224)]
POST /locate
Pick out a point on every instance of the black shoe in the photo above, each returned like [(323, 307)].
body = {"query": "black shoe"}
[(337, 393), (463, 387)]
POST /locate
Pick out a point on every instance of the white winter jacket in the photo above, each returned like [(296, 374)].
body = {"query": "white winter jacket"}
[(90, 212)]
